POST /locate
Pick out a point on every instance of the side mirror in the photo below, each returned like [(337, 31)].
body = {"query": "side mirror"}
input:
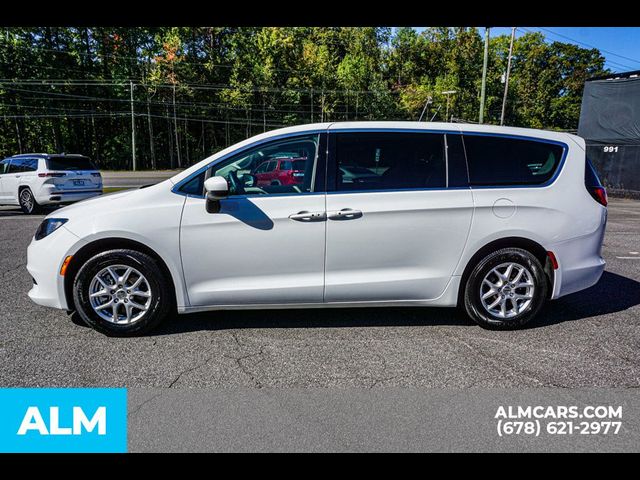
[(217, 189)]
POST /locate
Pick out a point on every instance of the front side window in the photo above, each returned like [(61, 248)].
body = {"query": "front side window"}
[(15, 166), (250, 172), (495, 161), (389, 161), (4, 166)]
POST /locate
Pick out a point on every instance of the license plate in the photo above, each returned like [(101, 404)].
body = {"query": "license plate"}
[(78, 183)]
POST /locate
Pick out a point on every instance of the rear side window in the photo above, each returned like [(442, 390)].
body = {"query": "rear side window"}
[(497, 161), (390, 161), (30, 165), (70, 163), (285, 165)]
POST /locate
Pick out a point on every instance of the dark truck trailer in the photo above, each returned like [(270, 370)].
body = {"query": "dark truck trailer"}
[(610, 125)]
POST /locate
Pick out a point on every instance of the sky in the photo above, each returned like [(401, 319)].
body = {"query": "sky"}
[(619, 45)]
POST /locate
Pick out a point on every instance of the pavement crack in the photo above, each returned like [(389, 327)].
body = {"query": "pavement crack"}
[(6, 273), (501, 366), (139, 407), (191, 369), (240, 360)]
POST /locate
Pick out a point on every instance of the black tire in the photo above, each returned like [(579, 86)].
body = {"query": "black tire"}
[(160, 303), (472, 293), (28, 202)]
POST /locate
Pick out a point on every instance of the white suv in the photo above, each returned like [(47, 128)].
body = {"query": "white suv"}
[(35, 179), (495, 220)]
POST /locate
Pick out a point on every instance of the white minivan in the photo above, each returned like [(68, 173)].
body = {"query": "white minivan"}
[(32, 180), (495, 220)]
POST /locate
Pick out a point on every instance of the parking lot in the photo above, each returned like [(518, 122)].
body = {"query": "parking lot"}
[(588, 339)]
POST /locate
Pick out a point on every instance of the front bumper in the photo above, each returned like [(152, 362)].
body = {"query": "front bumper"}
[(44, 259)]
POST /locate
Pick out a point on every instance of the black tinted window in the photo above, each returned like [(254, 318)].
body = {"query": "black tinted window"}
[(70, 163), (456, 162), (195, 186), (4, 166), (510, 161), (390, 160)]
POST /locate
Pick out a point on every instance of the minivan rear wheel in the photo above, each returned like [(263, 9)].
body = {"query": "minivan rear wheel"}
[(506, 289), (122, 293)]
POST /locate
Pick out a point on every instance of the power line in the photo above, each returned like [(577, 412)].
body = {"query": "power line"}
[(194, 86), (615, 64), (144, 115), (590, 46)]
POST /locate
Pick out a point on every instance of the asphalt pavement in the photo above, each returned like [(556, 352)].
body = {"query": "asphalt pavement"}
[(589, 339)]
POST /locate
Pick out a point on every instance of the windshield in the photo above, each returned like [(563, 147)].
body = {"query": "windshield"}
[(70, 163)]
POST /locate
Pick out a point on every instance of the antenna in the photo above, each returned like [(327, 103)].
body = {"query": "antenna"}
[(429, 99)]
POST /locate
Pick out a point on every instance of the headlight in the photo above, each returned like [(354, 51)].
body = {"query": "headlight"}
[(48, 226)]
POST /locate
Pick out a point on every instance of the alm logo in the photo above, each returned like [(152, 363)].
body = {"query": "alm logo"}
[(61, 420), (33, 421)]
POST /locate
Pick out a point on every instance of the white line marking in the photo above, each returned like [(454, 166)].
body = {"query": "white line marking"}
[(629, 258)]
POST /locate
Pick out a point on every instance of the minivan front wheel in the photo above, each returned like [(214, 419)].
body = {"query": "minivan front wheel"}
[(506, 289), (122, 293)]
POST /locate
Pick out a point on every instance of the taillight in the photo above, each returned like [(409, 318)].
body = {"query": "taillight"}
[(52, 174), (599, 194)]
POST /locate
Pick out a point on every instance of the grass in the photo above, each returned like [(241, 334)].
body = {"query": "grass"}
[(114, 189)]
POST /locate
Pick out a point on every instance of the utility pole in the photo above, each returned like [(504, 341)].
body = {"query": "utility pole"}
[(484, 74), (150, 127), (175, 126), (133, 129), (506, 81)]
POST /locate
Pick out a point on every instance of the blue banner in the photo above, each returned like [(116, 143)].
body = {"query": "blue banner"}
[(63, 420)]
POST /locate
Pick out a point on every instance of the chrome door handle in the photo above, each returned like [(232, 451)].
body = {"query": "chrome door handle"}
[(344, 214), (306, 216)]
